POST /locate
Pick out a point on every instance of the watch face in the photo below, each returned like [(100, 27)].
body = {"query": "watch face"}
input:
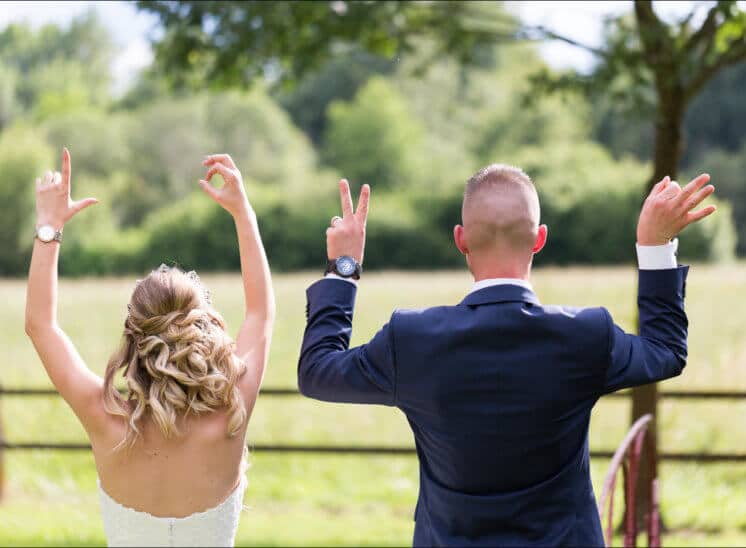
[(46, 233), (345, 266)]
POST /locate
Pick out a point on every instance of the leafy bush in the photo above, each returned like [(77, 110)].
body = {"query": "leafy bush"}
[(375, 139), (261, 138), (24, 156)]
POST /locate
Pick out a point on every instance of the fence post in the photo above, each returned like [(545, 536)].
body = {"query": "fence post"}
[(2, 450)]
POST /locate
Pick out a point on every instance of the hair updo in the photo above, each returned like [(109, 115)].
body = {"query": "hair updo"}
[(176, 357)]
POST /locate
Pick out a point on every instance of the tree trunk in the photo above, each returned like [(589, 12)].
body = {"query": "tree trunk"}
[(669, 144)]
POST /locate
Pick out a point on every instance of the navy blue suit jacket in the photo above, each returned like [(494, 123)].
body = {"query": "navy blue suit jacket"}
[(498, 391)]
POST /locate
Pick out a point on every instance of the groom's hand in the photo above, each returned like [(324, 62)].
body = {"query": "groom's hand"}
[(346, 235), (668, 210)]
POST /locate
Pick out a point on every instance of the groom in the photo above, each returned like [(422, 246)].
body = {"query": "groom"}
[(499, 388)]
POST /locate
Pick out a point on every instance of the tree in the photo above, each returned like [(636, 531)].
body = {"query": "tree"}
[(667, 65), (234, 42), (56, 69), (375, 138)]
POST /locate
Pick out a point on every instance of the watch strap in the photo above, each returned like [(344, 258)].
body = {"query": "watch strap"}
[(331, 268)]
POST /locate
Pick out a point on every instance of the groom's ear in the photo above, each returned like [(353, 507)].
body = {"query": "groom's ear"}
[(541, 239), (460, 239)]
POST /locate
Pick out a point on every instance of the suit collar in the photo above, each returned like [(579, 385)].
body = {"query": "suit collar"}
[(503, 293), (481, 284)]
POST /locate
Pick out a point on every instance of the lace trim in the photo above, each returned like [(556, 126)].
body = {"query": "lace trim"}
[(237, 491)]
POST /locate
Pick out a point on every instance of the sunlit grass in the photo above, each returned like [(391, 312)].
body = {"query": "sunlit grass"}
[(322, 500)]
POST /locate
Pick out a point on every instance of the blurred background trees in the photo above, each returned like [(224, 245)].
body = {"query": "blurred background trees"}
[(413, 108)]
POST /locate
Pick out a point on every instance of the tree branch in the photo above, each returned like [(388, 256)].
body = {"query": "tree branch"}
[(547, 34), (652, 31), (735, 54), (706, 30)]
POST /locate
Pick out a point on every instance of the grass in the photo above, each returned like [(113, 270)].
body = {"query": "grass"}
[(368, 500)]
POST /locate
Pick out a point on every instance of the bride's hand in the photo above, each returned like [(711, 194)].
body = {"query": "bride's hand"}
[(54, 206), (231, 196)]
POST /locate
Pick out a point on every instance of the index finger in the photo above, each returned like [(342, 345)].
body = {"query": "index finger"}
[(224, 172), (362, 204), (66, 167), (345, 197), (694, 186), (223, 158), (660, 187)]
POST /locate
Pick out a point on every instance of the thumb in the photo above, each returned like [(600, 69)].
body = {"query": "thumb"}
[(209, 189), (80, 205)]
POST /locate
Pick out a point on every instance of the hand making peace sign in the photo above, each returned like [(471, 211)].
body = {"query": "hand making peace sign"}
[(346, 235)]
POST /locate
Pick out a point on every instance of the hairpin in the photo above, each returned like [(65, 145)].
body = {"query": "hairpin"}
[(192, 275)]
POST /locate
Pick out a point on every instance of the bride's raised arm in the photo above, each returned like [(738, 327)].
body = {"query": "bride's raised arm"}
[(255, 333), (79, 386)]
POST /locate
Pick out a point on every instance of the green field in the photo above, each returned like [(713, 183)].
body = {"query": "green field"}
[(323, 500)]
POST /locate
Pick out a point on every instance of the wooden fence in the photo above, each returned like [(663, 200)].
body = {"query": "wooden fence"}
[(708, 457)]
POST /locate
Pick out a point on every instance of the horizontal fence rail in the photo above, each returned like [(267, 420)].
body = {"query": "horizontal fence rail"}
[(380, 450), (390, 450), (667, 394)]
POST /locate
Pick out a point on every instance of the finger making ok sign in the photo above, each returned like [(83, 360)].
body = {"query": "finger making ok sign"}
[(231, 195)]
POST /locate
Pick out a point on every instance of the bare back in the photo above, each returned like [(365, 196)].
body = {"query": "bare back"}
[(173, 477)]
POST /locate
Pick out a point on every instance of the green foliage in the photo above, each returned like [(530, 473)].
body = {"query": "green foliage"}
[(375, 138), (235, 42), (715, 120), (339, 79), (717, 117), (260, 136), (8, 101), (97, 137), (415, 136), (167, 142), (58, 69), (727, 172), (714, 239), (23, 157)]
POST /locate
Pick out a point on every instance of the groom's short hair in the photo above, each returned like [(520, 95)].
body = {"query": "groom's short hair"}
[(501, 207)]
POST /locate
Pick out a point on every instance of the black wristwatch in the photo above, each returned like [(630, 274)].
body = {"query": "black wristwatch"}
[(344, 266)]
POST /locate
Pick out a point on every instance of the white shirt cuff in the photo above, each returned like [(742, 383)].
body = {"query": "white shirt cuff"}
[(657, 257), (338, 277)]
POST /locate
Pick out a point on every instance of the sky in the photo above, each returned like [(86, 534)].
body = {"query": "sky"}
[(131, 29)]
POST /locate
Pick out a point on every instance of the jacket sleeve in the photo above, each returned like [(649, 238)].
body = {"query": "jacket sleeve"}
[(328, 369), (660, 351)]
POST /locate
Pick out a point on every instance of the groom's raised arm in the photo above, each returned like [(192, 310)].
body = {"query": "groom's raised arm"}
[(660, 350), (328, 369)]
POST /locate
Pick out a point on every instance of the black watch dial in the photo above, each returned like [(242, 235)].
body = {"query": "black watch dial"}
[(345, 266)]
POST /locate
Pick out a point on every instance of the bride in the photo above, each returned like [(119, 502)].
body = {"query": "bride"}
[(170, 452)]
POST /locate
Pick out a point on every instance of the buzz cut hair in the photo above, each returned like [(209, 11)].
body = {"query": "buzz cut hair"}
[(495, 174)]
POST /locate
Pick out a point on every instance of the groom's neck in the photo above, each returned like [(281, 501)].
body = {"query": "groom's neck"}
[(486, 270)]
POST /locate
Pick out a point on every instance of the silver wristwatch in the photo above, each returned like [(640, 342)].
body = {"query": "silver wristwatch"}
[(47, 233)]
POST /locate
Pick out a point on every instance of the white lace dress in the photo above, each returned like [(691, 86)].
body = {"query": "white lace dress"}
[(214, 527)]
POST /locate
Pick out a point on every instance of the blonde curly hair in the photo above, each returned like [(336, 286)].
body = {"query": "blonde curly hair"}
[(176, 358)]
